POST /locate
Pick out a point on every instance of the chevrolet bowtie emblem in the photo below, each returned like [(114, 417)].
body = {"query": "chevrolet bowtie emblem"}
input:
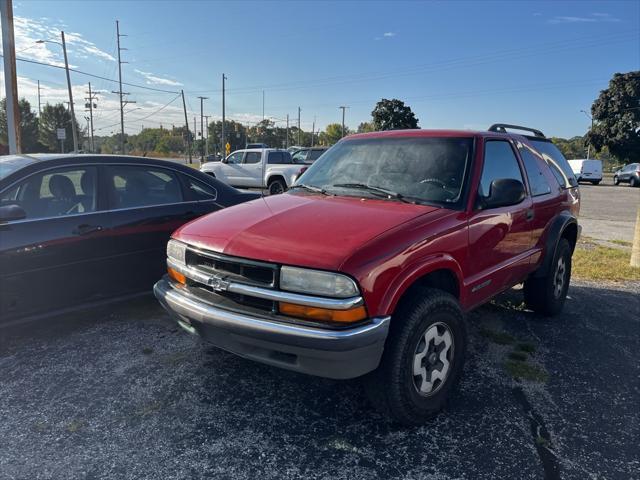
[(218, 283)]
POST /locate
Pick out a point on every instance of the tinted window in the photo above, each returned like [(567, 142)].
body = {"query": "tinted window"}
[(54, 193), (499, 162), (314, 155), (136, 186), (537, 180), (199, 190), (252, 157), (559, 165), (430, 170), (300, 156), (279, 157)]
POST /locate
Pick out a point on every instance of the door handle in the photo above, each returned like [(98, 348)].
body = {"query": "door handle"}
[(85, 229), (529, 214)]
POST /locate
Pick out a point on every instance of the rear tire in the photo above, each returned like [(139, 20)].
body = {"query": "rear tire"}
[(546, 295), (276, 187), (422, 360), (634, 182), (596, 182)]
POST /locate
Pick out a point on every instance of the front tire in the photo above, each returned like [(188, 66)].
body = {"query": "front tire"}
[(276, 187), (595, 182), (616, 180), (546, 295), (634, 182), (422, 360)]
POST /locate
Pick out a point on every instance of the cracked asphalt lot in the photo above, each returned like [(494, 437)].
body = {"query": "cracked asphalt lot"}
[(124, 393)]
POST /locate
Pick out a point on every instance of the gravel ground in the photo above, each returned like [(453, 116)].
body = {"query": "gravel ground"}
[(608, 212), (125, 394)]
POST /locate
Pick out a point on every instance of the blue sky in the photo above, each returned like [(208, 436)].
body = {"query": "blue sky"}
[(457, 64)]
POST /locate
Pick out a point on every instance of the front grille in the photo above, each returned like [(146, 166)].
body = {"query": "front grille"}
[(240, 270)]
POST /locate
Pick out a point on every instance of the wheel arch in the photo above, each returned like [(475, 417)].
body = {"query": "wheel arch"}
[(565, 226), (276, 176), (443, 273)]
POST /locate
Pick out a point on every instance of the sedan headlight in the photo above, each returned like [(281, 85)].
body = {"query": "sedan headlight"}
[(176, 251), (315, 282)]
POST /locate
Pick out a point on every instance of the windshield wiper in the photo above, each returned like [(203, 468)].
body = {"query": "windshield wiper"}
[(311, 188), (374, 189)]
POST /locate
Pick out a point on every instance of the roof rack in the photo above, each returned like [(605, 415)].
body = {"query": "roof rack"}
[(502, 128)]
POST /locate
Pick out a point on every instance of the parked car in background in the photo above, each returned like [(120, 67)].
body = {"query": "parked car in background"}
[(628, 174), (270, 168), (367, 265), (256, 145), (587, 170), (294, 148), (214, 157), (308, 155), (76, 229)]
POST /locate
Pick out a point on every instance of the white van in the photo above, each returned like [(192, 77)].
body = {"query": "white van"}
[(587, 170)]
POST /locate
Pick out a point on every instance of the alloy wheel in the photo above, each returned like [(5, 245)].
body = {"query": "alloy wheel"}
[(432, 359)]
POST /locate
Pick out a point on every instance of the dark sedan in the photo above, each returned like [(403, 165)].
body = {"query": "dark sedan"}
[(79, 229)]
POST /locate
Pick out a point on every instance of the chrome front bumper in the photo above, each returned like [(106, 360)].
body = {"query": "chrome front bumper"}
[(341, 354)]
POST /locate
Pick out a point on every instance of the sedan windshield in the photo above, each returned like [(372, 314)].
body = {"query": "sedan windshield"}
[(422, 170)]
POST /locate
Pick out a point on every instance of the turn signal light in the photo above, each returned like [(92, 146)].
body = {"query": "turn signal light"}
[(176, 276), (323, 314)]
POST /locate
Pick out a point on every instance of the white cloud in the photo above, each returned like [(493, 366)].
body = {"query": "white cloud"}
[(592, 18), (389, 34), (153, 79)]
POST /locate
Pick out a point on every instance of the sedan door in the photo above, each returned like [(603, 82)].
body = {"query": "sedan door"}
[(147, 203), (54, 257)]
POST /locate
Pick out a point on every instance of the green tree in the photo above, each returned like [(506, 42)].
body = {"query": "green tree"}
[(393, 115), (28, 126), (52, 118), (366, 127), (333, 133), (616, 115)]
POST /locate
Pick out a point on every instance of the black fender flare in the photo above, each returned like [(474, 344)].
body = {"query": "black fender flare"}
[(558, 226)]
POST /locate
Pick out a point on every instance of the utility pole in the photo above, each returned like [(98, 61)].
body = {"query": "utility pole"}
[(299, 126), (206, 139), (287, 131), (39, 99), (343, 109), (591, 118), (263, 105), (91, 98), (186, 124), (120, 93), (74, 127), (202, 99), (223, 147), (195, 128), (10, 82), (313, 129)]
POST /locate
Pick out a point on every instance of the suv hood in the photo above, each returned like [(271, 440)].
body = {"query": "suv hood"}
[(302, 229)]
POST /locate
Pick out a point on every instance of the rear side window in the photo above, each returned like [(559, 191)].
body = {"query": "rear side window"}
[(556, 161), (314, 155), (499, 162), (252, 157), (537, 180), (198, 190), (138, 186), (279, 157)]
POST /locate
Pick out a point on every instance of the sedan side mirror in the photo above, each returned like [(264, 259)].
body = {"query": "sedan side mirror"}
[(504, 192), (9, 213)]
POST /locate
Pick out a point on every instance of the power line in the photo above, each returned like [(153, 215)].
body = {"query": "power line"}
[(94, 76)]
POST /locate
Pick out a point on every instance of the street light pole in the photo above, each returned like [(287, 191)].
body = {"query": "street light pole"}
[(343, 109), (10, 81), (74, 128), (202, 99), (223, 146), (589, 145)]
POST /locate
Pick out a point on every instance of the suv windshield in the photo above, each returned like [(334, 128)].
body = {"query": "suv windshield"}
[(429, 170)]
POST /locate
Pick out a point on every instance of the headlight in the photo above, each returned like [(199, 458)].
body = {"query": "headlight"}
[(176, 251), (314, 282)]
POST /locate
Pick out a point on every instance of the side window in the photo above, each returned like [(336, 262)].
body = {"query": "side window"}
[(279, 157), (252, 157), (537, 180), (499, 162), (300, 156), (65, 191), (556, 161), (198, 190), (235, 158), (315, 154), (139, 186)]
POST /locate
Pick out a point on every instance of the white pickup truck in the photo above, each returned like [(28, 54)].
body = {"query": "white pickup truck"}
[(256, 168)]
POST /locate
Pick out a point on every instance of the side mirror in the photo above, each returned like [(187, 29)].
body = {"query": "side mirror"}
[(504, 192), (12, 212), (225, 160)]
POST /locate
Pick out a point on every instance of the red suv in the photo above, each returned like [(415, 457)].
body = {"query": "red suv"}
[(368, 264)]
